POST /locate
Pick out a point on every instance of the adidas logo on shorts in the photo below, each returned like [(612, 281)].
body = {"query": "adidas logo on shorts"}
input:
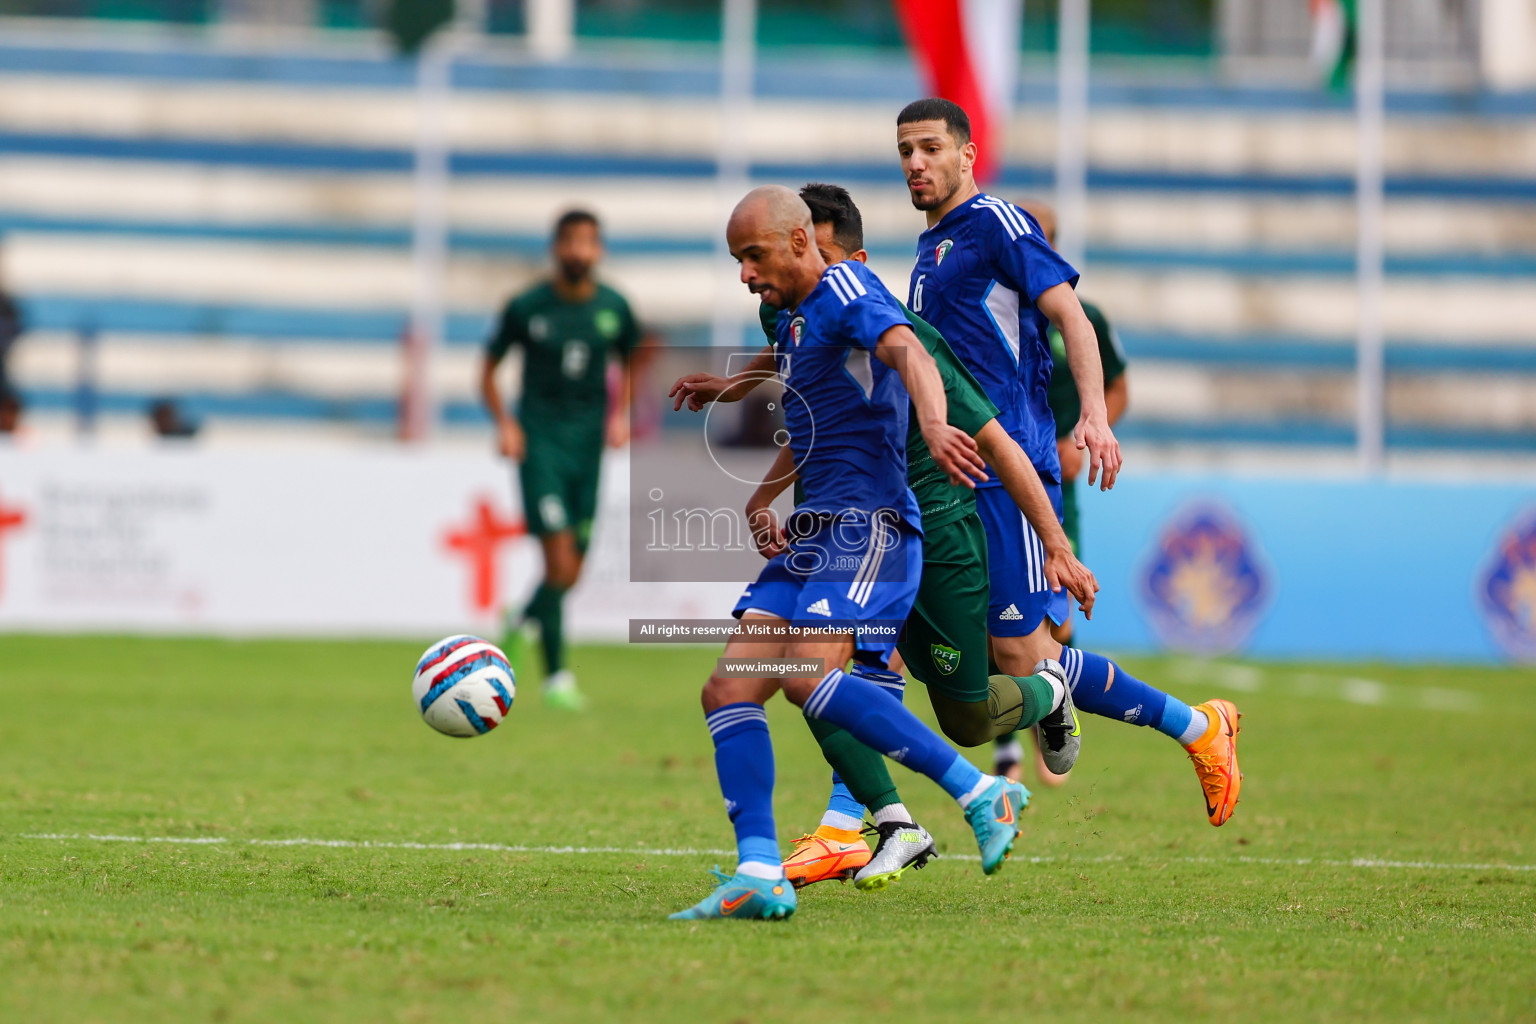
[(820, 608), (1010, 613)]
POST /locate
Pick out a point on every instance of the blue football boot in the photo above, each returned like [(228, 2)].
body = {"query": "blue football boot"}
[(994, 817), (743, 896)]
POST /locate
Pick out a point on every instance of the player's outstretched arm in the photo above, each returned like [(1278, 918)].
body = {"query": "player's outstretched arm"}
[(767, 535), (699, 389), (1060, 305), (1019, 479), (954, 451), (509, 433)]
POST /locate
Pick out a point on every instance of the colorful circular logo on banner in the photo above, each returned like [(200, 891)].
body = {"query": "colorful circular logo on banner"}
[(1506, 589), (1206, 584)]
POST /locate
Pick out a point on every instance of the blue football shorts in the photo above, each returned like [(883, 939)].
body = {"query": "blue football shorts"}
[(856, 572), (1016, 565)]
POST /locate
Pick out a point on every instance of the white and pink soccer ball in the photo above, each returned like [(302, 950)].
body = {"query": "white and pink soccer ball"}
[(463, 686)]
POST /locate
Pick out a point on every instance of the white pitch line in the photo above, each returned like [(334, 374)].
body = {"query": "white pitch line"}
[(1354, 690), (1365, 862), (641, 851), (376, 845)]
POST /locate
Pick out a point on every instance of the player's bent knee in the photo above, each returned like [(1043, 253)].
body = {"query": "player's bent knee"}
[(718, 692), (722, 690), (798, 691), (562, 560), (1018, 655), (966, 725), (563, 574)]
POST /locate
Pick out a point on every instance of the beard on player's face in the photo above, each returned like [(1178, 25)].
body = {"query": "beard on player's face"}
[(576, 251), (769, 285), (574, 270), (942, 183)]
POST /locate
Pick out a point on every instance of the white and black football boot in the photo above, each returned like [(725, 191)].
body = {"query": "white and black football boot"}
[(902, 845), (1061, 735)]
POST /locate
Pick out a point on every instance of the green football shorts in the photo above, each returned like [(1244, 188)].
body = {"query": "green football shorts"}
[(1070, 516), (945, 640), (559, 489)]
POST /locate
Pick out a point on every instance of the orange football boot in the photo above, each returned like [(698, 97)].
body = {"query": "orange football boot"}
[(825, 854), (1215, 758)]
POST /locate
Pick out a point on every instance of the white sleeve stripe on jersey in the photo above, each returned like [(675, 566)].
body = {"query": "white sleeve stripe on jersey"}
[(1010, 217), (1010, 212), (1013, 232), (1018, 218), (840, 289), (850, 279)]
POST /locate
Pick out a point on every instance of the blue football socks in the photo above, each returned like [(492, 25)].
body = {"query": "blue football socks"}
[(878, 720), (744, 763), (843, 809), (1100, 687), (893, 683)]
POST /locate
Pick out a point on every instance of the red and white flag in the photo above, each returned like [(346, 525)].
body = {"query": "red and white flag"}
[(968, 52)]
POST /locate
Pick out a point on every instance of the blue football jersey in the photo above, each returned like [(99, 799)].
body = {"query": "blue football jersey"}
[(846, 412), (978, 274)]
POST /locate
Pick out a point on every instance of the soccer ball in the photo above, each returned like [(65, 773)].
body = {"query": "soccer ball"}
[(463, 686)]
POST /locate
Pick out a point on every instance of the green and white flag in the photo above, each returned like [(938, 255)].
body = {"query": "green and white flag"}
[(1333, 40)]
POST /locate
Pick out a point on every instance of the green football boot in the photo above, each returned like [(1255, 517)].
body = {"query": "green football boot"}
[(560, 692)]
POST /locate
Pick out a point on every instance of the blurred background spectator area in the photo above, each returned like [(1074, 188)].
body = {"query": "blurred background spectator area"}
[(214, 199)]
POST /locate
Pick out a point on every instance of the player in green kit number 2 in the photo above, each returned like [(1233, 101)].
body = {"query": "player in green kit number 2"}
[(1066, 407), (568, 327)]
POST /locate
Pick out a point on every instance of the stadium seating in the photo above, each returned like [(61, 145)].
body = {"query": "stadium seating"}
[(245, 243)]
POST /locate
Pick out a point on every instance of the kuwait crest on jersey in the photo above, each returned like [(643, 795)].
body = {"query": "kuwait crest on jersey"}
[(945, 659), (942, 250), (1506, 589), (797, 330), (1206, 584)]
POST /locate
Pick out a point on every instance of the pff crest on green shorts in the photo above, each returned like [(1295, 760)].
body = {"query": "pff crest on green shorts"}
[(945, 659)]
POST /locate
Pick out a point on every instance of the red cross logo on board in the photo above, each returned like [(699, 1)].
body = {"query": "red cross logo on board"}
[(11, 518), (478, 543)]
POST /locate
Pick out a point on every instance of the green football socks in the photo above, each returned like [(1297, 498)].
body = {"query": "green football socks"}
[(861, 769), (547, 608)]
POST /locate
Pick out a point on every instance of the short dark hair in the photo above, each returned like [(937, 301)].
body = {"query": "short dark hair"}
[(570, 218), (831, 204), (935, 109)]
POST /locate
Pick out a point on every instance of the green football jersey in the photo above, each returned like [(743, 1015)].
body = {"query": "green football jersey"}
[(938, 500), (1066, 404), (566, 347)]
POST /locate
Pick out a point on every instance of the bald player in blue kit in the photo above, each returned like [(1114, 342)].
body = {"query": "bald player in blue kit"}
[(849, 356)]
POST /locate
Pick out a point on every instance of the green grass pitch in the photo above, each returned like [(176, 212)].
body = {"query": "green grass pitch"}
[(1135, 908)]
